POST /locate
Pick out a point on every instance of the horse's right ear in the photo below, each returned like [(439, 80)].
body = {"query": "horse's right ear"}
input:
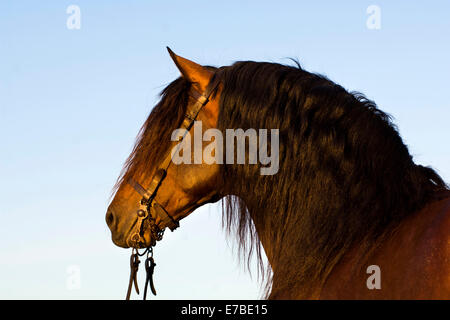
[(198, 75)]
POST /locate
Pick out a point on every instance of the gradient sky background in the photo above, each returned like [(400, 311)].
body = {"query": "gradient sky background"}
[(72, 102)]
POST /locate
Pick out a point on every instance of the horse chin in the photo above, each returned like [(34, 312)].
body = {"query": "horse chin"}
[(120, 242)]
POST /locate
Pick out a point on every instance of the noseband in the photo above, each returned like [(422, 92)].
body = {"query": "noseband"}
[(149, 209)]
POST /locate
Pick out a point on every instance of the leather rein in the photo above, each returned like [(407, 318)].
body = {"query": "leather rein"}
[(150, 210)]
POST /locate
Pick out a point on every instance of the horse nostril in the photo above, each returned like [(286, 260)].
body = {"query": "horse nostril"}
[(109, 218)]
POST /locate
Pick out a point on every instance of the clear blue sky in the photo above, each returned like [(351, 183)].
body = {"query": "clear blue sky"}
[(72, 101)]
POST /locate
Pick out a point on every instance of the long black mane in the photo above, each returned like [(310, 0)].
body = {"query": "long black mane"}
[(345, 175)]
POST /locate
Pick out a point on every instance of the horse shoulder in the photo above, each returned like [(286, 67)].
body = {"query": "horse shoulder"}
[(414, 262), (435, 249), (443, 246)]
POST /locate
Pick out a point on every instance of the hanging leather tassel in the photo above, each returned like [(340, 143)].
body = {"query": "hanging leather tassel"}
[(149, 268), (134, 267)]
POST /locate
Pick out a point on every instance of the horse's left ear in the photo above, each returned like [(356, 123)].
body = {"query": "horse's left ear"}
[(198, 75)]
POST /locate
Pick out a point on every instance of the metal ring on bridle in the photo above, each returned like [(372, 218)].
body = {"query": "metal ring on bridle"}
[(142, 214), (135, 238)]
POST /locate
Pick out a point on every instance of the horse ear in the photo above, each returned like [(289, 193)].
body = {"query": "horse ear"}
[(198, 75)]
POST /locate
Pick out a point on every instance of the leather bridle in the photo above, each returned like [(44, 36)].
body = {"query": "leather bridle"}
[(149, 209)]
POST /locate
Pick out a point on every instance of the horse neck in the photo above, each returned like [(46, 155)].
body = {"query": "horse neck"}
[(266, 236)]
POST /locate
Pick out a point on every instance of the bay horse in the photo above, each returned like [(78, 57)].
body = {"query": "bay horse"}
[(348, 215)]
